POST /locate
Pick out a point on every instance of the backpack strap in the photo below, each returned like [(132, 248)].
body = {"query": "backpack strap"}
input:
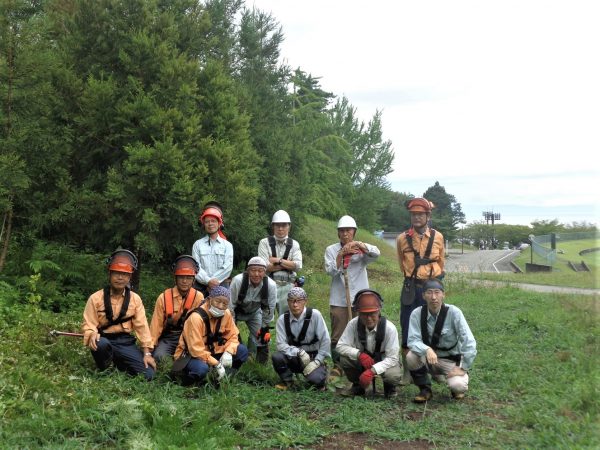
[(243, 288), (298, 341), (264, 292), (437, 330), (379, 337), (272, 244), (121, 318)]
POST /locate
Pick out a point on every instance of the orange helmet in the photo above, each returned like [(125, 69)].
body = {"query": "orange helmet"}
[(185, 265), (213, 212), (419, 205), (367, 300), (122, 261)]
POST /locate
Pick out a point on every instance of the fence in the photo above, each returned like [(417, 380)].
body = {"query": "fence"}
[(541, 245)]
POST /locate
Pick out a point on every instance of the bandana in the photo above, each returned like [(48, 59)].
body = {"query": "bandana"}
[(297, 292), (219, 291)]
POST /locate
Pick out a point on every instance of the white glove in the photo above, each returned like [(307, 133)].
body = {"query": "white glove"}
[(226, 359), (304, 357), (220, 371), (310, 367)]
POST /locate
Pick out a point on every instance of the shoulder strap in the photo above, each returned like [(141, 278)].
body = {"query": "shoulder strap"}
[(379, 337), (211, 337), (437, 330), (121, 318), (168, 298), (429, 244), (298, 341), (289, 242), (264, 293), (243, 288), (187, 305), (272, 245)]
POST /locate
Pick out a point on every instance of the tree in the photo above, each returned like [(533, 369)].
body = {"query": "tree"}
[(395, 216), (447, 213)]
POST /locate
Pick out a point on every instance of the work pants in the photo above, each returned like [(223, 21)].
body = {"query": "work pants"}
[(253, 322), (196, 369), (121, 350), (420, 370), (167, 344), (406, 311), (283, 287), (353, 369), (286, 366)]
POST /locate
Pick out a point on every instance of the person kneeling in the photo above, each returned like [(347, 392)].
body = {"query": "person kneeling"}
[(209, 341), (303, 343), (440, 343), (369, 346)]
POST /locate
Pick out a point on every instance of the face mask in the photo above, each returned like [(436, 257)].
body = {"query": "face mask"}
[(216, 312)]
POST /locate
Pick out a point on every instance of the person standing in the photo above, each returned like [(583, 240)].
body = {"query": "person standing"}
[(283, 257), (346, 260), (421, 256), (110, 318), (302, 343), (440, 343), (253, 300), (209, 341), (213, 252), (172, 307), (369, 347)]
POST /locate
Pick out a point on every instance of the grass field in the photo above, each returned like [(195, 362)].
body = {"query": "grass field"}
[(534, 384)]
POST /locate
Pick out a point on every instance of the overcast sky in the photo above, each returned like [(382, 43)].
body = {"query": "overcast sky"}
[(498, 101)]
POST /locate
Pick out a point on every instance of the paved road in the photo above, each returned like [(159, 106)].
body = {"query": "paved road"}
[(495, 261)]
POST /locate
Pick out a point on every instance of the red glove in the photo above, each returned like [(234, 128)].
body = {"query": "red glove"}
[(366, 377), (365, 360)]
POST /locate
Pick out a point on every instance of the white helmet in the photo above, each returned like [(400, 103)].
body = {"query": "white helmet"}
[(347, 222), (281, 217)]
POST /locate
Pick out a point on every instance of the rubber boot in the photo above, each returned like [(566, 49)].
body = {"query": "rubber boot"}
[(389, 391)]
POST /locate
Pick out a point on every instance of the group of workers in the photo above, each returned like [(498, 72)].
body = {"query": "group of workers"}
[(195, 322)]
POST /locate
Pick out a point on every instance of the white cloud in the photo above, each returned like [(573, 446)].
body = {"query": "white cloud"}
[(499, 101)]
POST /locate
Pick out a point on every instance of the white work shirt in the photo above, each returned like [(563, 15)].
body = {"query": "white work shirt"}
[(215, 257)]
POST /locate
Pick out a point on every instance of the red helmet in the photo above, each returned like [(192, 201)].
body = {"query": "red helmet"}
[(214, 212), (185, 265), (419, 205), (122, 261)]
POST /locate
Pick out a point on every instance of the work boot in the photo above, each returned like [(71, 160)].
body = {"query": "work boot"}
[(458, 395), (389, 391), (354, 390), (424, 396), (262, 354), (284, 385), (406, 378)]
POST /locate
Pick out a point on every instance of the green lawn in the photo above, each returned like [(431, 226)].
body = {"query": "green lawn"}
[(534, 384)]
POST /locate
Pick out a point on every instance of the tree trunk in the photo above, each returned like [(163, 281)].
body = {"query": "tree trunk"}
[(6, 239)]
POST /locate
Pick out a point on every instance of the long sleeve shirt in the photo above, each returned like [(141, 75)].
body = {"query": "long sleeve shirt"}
[(194, 337), (252, 301), (455, 331), (264, 251), (357, 273), (349, 344), (215, 257), (159, 317), (94, 317), (406, 256), (317, 328)]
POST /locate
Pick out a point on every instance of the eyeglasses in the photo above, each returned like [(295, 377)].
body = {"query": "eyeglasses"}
[(296, 300)]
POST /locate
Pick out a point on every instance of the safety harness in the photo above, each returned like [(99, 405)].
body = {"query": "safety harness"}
[(421, 261), (437, 330), (187, 305), (211, 336), (264, 294), (299, 340), (121, 318), (379, 336)]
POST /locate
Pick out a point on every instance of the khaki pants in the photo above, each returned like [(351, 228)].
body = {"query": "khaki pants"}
[(339, 320), (457, 384)]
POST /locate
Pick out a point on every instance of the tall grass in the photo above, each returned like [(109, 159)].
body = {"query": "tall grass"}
[(534, 384)]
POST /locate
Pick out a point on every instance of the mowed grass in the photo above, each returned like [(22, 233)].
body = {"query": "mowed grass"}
[(562, 274), (534, 384)]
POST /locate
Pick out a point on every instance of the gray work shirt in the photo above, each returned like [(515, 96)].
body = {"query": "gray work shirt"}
[(252, 301), (215, 257), (455, 331), (317, 328)]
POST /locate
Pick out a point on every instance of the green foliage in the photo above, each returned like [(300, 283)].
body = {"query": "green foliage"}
[(447, 213)]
